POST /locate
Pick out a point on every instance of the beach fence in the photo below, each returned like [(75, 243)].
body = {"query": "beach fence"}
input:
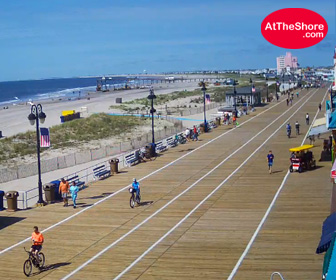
[(198, 110), (29, 197), (60, 162)]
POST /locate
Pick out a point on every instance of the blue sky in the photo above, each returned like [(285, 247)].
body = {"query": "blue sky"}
[(67, 38)]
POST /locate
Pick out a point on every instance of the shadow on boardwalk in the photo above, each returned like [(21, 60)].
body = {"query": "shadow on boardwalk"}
[(8, 221), (50, 267)]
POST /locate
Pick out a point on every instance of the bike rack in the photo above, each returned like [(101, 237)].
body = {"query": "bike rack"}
[(277, 273)]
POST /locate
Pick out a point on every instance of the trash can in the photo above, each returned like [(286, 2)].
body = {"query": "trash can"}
[(202, 128), (62, 119), (2, 194), (114, 165), (152, 149), (57, 194), (49, 192), (218, 121), (11, 197)]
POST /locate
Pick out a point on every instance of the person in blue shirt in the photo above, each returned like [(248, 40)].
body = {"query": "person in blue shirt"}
[(289, 130), (136, 187), (270, 158), (74, 190)]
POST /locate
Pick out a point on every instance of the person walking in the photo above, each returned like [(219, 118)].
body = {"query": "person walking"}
[(311, 139), (270, 158), (234, 120), (195, 138), (320, 107), (64, 190), (74, 191), (287, 101), (297, 128), (187, 134), (330, 141), (289, 130), (224, 119), (297, 94), (307, 119)]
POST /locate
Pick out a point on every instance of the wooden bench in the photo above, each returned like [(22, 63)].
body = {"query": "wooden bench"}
[(160, 147), (101, 172), (132, 158), (79, 184), (171, 142)]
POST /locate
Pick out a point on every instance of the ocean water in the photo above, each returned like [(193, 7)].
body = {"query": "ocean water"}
[(16, 91)]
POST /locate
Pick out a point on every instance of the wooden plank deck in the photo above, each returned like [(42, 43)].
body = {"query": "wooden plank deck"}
[(209, 243)]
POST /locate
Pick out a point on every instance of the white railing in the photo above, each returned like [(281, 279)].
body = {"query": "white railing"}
[(28, 198)]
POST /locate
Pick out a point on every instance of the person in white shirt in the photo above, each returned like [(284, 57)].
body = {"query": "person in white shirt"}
[(187, 134)]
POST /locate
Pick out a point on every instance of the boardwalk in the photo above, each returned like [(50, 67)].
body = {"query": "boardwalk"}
[(202, 203)]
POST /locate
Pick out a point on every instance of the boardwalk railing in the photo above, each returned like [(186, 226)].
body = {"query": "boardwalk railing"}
[(28, 198)]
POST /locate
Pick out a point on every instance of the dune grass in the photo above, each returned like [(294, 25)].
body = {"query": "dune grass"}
[(73, 133), (164, 98)]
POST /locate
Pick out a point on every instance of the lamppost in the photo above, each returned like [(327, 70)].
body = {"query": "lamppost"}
[(151, 97), (266, 78), (277, 89), (204, 90), (36, 114), (235, 96), (252, 91), (331, 98)]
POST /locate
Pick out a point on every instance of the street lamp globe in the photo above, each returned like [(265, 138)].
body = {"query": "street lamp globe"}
[(42, 117), (31, 118)]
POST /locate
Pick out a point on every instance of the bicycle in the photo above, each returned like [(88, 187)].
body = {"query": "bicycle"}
[(32, 261), (181, 139), (134, 198), (146, 155)]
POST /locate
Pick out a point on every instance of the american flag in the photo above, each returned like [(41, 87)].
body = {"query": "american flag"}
[(45, 139), (207, 98)]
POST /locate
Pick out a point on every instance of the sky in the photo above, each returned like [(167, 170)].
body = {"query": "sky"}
[(71, 38)]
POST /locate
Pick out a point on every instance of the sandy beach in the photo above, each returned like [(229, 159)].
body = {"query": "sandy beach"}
[(14, 119)]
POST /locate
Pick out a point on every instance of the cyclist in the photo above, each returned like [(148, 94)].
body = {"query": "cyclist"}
[(136, 187), (289, 130), (297, 127), (37, 241)]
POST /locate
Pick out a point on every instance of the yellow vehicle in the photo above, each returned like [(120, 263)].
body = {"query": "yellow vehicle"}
[(302, 158)]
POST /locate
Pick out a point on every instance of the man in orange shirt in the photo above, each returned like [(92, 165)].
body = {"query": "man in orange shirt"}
[(37, 241), (64, 190)]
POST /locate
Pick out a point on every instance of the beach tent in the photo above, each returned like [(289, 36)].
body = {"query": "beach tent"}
[(328, 230), (329, 264), (327, 244)]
